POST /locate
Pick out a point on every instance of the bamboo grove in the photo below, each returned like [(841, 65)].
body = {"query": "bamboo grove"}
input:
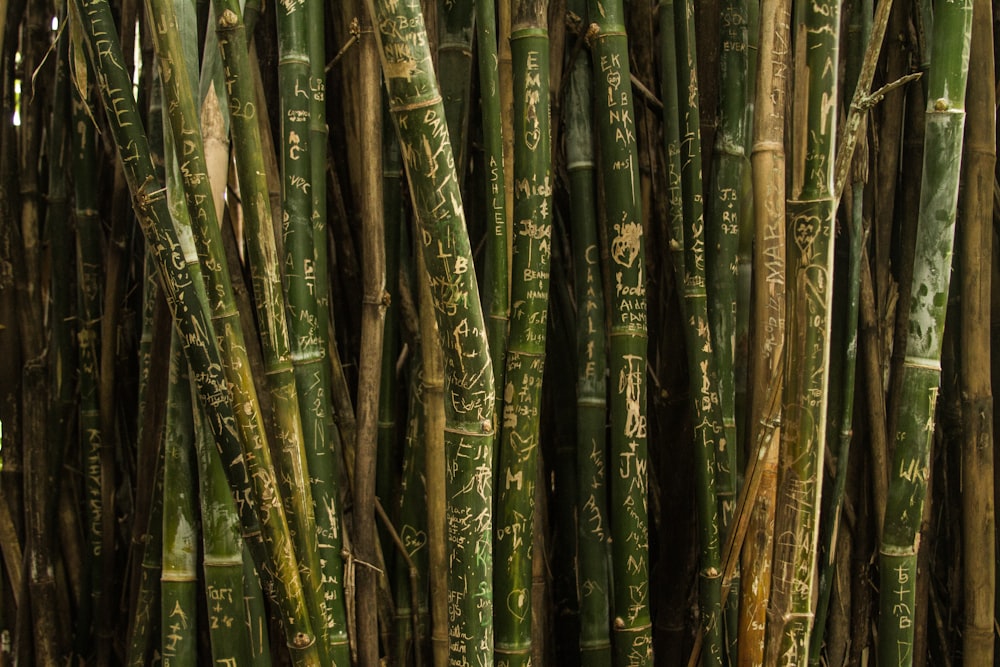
[(531, 332)]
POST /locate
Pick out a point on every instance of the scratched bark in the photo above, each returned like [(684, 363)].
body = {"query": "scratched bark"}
[(593, 573), (262, 516), (529, 293), (615, 126), (688, 241), (943, 140), (768, 174), (418, 113), (810, 215)]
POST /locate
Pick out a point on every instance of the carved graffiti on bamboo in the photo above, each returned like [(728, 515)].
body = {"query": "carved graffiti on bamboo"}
[(630, 384), (626, 245)]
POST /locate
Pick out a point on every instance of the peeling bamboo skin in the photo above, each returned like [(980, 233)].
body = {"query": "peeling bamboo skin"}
[(418, 113), (532, 229), (592, 366), (188, 302), (944, 126), (627, 355)]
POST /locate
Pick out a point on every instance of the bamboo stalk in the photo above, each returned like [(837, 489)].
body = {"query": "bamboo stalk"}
[(627, 354), (945, 119), (529, 294), (179, 573), (768, 174), (687, 230), (592, 363), (810, 215), (976, 253), (372, 321)]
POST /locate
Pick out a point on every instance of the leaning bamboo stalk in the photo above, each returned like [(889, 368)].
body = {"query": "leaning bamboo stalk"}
[(810, 217), (627, 354), (945, 120), (976, 238), (416, 107), (685, 156), (592, 364), (181, 277), (529, 294), (768, 173)]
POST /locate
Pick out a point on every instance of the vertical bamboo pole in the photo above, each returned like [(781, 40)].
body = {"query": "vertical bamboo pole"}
[(976, 253), (627, 355)]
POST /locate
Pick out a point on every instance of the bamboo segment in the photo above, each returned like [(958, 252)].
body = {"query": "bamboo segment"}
[(592, 364), (182, 282), (456, 28), (519, 448), (222, 561), (810, 217), (418, 112), (623, 211)]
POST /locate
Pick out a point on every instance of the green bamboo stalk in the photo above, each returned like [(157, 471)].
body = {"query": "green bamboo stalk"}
[(496, 265), (456, 28), (681, 119), (976, 251), (144, 639), (725, 222), (418, 112), (89, 286), (180, 274), (410, 614), (222, 560), (591, 385), (724, 229), (303, 421), (945, 120), (519, 445), (179, 573), (623, 217), (810, 217), (768, 175), (44, 460), (859, 34)]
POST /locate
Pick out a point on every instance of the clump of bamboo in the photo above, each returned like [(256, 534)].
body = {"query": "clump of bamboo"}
[(810, 219), (181, 275), (945, 120), (418, 114)]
